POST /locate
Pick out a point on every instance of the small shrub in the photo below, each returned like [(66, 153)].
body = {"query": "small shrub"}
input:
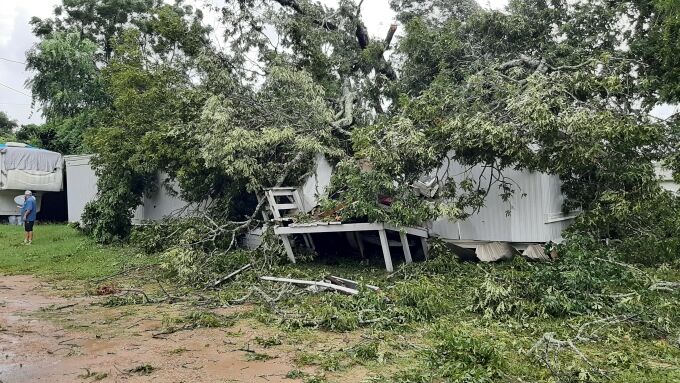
[(295, 374), (328, 361), (96, 376), (463, 357), (315, 379), (495, 299), (144, 369), (423, 299), (126, 300), (268, 342), (203, 319), (254, 356), (366, 351), (415, 375)]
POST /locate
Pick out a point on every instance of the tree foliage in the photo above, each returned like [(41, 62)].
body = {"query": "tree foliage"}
[(7, 125), (545, 86)]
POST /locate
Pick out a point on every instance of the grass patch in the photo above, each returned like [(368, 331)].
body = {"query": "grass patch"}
[(95, 376), (202, 319), (258, 356), (269, 342), (62, 252), (143, 369), (437, 321)]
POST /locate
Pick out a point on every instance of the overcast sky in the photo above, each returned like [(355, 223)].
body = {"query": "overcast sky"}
[(16, 39)]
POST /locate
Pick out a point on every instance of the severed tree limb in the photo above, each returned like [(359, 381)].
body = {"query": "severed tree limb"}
[(548, 340), (539, 65), (231, 275), (295, 5), (549, 343), (390, 36), (665, 286), (342, 289), (137, 291), (628, 266), (345, 117), (214, 230)]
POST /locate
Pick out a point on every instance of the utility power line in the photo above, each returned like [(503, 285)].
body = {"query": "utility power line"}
[(13, 61), (14, 89)]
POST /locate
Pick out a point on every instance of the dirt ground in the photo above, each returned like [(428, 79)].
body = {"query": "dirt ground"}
[(47, 337)]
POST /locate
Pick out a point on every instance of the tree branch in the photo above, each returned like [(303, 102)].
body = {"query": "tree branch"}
[(390, 36), (345, 117), (363, 39), (294, 5)]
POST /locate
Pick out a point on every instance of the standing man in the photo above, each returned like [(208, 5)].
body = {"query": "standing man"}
[(29, 213)]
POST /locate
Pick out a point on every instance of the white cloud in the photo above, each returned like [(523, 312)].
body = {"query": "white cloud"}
[(493, 4), (15, 12), (8, 16), (15, 39)]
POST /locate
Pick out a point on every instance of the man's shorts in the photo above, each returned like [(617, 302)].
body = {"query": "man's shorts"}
[(28, 225)]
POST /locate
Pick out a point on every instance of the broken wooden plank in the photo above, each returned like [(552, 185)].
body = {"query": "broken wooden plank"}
[(231, 275), (288, 247), (348, 283), (324, 227), (342, 289), (405, 247), (386, 251), (423, 243)]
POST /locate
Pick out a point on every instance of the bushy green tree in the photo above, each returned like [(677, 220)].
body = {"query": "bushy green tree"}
[(152, 97), (78, 43), (7, 126)]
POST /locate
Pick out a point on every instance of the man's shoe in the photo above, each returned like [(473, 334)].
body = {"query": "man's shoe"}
[(29, 243)]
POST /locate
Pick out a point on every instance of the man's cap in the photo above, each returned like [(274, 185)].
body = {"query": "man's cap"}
[(28, 192)]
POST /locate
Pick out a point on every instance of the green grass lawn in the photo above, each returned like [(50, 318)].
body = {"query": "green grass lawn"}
[(436, 321), (61, 252)]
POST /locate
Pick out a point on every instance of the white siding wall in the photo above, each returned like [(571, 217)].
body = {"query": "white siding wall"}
[(161, 203), (666, 179), (535, 217), (317, 183), (81, 187)]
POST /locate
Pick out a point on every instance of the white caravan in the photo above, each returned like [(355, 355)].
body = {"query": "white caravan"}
[(23, 167)]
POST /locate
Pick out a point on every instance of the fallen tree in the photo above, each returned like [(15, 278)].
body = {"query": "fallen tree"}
[(525, 89)]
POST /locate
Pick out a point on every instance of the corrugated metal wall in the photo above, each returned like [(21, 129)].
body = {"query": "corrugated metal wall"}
[(316, 184), (161, 204), (666, 179), (535, 217), (532, 214), (81, 187)]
